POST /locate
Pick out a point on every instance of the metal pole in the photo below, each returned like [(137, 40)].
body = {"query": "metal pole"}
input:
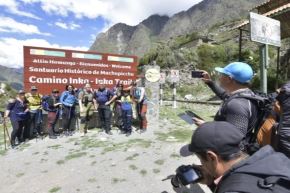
[(161, 94), (174, 96), (263, 67), (278, 68), (240, 44)]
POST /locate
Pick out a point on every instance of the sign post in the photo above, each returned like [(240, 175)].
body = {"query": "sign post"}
[(268, 32), (161, 82), (174, 79)]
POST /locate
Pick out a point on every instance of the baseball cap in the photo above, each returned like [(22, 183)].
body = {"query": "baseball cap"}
[(239, 71), (55, 91), (218, 136), (33, 88), (21, 92)]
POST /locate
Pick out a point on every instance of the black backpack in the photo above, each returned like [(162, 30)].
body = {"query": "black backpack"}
[(249, 183), (283, 97)]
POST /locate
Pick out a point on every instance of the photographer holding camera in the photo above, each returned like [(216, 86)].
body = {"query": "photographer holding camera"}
[(233, 81), (225, 168)]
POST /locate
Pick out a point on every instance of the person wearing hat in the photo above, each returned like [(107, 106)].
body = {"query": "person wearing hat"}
[(225, 168), (54, 108), (234, 80), (18, 112), (86, 104), (103, 98), (35, 111), (68, 101)]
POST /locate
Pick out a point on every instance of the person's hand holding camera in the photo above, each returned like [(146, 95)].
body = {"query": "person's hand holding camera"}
[(198, 121), (206, 179), (206, 77)]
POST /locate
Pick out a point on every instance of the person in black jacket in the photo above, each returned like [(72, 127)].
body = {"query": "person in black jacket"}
[(234, 80), (53, 113), (18, 112), (226, 168)]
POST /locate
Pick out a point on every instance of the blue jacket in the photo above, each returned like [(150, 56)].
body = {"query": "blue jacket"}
[(68, 99)]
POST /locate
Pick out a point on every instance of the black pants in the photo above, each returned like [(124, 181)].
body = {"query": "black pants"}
[(118, 116), (35, 123), (105, 115), (18, 128), (68, 118)]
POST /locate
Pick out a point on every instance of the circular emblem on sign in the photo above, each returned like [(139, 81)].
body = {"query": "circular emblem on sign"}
[(152, 75)]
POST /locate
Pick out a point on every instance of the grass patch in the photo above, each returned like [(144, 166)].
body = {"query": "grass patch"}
[(55, 189), (156, 171), (92, 180), (132, 157), (159, 162), (117, 180), (60, 162), (93, 163), (35, 153), (2, 152), (75, 155), (180, 135), (23, 146), (133, 167), (44, 171), (45, 153), (143, 172), (19, 175), (57, 146), (175, 155), (126, 145)]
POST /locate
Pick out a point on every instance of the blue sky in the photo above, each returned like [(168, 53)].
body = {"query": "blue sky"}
[(71, 24)]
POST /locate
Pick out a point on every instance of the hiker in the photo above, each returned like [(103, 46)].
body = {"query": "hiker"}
[(54, 108), (234, 80), (103, 97), (140, 100), (86, 104), (126, 103), (18, 112), (226, 168), (69, 101), (35, 111), (117, 111)]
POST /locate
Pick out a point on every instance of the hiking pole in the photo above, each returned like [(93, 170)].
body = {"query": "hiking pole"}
[(6, 132)]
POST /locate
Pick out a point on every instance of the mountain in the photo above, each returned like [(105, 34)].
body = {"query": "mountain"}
[(12, 76), (137, 40)]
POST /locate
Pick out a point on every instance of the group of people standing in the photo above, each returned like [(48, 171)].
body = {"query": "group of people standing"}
[(122, 104)]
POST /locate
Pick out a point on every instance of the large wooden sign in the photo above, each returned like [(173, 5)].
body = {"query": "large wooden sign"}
[(49, 68)]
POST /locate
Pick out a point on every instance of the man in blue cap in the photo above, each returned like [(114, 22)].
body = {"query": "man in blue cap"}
[(234, 80)]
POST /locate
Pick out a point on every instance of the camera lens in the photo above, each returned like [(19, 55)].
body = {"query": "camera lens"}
[(175, 182)]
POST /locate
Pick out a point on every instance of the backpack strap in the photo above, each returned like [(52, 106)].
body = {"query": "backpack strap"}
[(248, 183)]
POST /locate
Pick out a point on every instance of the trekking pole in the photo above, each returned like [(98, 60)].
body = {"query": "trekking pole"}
[(6, 132)]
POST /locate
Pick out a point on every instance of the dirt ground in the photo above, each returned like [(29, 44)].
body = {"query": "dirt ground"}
[(98, 163)]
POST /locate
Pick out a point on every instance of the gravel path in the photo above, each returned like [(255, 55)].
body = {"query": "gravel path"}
[(97, 163)]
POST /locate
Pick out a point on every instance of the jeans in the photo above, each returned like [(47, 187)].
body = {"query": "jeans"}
[(35, 122), (105, 117), (127, 120), (18, 128)]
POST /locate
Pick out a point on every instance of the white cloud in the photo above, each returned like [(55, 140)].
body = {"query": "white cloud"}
[(13, 7), (10, 25), (130, 12), (11, 50), (71, 26)]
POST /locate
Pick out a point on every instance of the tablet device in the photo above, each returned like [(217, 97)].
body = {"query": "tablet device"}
[(192, 114), (186, 118)]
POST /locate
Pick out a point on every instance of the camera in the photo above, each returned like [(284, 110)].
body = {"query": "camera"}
[(196, 74), (185, 174)]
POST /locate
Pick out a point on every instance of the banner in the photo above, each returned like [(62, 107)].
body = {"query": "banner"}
[(49, 68)]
